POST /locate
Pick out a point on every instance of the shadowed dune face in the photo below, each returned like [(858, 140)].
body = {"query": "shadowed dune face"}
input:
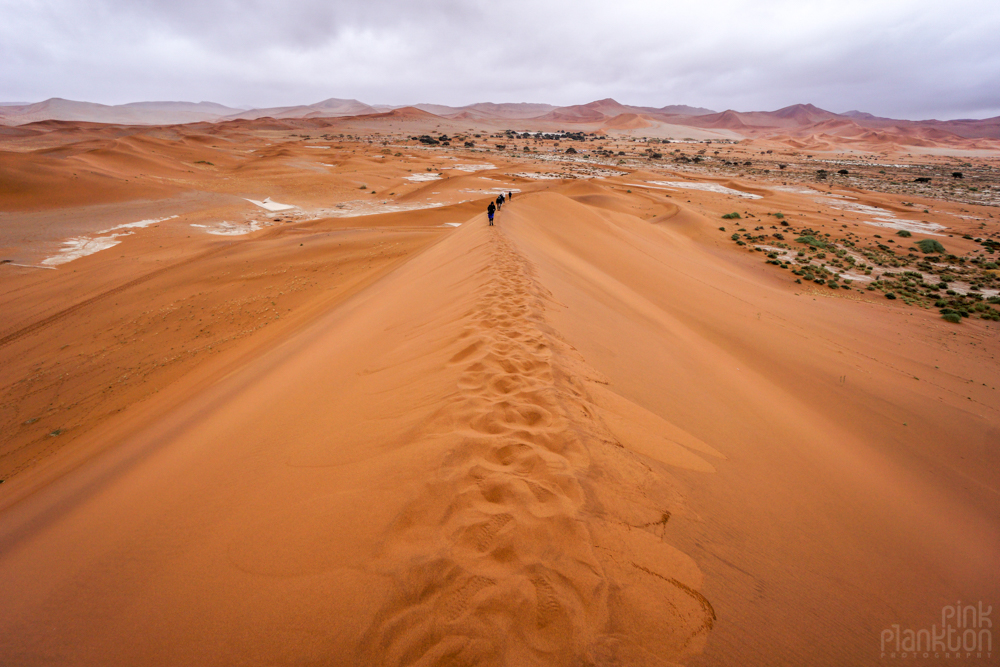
[(373, 430)]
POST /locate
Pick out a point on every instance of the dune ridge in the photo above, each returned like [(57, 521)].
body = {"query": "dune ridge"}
[(485, 586)]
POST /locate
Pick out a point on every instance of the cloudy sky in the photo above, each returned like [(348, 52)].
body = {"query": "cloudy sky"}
[(900, 58)]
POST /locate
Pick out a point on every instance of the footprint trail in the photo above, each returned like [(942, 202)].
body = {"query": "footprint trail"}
[(540, 540)]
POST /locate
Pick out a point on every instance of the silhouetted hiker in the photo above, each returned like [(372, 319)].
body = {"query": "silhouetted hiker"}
[(510, 195), (490, 210), (499, 201)]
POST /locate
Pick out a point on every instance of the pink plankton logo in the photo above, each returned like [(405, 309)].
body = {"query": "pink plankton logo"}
[(966, 632)]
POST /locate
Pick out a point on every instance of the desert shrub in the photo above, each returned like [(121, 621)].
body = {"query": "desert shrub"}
[(905, 234), (929, 246), (890, 295), (954, 318), (811, 240), (731, 216), (779, 216)]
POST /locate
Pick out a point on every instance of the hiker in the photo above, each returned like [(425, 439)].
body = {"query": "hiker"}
[(510, 195), (490, 210), (499, 201)]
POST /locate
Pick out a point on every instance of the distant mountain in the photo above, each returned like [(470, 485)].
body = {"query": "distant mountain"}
[(330, 108), (602, 110), (797, 120), (685, 110), (136, 113), (484, 110)]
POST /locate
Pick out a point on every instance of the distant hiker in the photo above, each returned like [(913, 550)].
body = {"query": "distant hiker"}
[(490, 210), (510, 195), (499, 201)]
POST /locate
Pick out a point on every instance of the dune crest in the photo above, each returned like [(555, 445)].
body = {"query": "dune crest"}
[(509, 560)]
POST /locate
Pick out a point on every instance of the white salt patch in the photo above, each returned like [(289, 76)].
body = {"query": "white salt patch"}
[(881, 217), (324, 147), (473, 167), (352, 209), (541, 176), (794, 190), (452, 224), (81, 246), (226, 228), (418, 178), (271, 205), (492, 191), (706, 187)]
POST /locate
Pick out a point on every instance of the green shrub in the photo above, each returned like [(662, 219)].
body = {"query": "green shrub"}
[(905, 234), (954, 318), (890, 295), (811, 240), (731, 216), (929, 246)]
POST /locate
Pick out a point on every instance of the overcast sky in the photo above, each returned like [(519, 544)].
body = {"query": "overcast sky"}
[(899, 58)]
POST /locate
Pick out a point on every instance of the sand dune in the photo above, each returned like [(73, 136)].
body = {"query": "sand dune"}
[(374, 430)]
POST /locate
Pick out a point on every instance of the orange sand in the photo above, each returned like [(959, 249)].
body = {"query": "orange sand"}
[(596, 433)]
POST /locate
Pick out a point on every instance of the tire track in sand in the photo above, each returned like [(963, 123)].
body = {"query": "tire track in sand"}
[(530, 547)]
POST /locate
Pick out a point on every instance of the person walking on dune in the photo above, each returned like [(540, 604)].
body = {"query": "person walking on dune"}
[(499, 201), (510, 195), (490, 210)]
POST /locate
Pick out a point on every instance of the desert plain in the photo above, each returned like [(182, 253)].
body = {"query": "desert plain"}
[(716, 389)]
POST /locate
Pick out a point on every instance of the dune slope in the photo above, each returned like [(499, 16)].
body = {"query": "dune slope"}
[(579, 437)]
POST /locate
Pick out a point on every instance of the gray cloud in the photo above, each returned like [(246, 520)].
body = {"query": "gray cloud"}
[(903, 58)]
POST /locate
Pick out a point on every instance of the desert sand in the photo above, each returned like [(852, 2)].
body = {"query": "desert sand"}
[(265, 404)]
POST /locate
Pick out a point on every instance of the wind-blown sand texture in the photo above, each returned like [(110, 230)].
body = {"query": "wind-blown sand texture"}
[(599, 432)]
